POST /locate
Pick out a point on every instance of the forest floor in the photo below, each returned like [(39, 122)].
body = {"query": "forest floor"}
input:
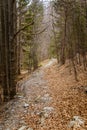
[(48, 99)]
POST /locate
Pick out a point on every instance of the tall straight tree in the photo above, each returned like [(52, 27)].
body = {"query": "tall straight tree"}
[(8, 48)]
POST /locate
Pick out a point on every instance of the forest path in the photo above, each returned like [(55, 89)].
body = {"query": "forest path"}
[(31, 106), (48, 99)]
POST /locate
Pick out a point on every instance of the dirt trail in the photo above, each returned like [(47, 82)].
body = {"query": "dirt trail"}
[(49, 99), (31, 106)]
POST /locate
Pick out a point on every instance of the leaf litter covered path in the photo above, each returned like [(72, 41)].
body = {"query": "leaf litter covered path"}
[(47, 100), (31, 107)]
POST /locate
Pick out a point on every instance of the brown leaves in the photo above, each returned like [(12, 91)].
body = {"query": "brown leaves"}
[(69, 100)]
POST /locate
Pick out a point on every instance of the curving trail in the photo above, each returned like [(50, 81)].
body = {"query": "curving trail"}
[(49, 99), (31, 106)]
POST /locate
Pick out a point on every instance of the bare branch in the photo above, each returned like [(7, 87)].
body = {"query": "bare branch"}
[(37, 33), (21, 30)]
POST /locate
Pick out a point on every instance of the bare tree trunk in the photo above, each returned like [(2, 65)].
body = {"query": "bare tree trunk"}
[(55, 41), (8, 51)]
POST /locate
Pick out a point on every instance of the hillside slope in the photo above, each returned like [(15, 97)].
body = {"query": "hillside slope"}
[(69, 96)]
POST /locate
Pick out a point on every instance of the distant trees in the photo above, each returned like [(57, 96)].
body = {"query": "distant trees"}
[(71, 31), (33, 14), (21, 26)]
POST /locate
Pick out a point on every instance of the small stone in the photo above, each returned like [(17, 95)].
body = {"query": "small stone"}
[(46, 115), (20, 96), (79, 120), (25, 111), (76, 122), (46, 98), (42, 121), (48, 109), (29, 129), (22, 122), (22, 128), (26, 105), (13, 110)]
